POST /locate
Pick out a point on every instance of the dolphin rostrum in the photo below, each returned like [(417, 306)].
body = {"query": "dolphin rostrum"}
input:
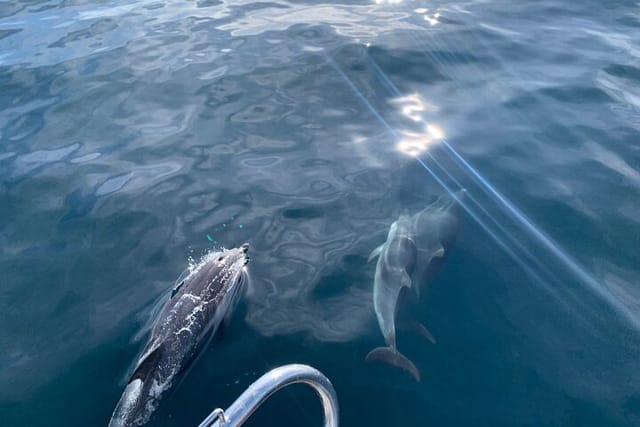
[(414, 248), (198, 305)]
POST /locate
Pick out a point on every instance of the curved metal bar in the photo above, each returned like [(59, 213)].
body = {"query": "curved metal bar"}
[(217, 414), (268, 384)]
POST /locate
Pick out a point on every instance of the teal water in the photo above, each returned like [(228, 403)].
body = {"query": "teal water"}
[(136, 134)]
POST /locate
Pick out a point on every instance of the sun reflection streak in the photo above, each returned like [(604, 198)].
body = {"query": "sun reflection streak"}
[(414, 143), (412, 106)]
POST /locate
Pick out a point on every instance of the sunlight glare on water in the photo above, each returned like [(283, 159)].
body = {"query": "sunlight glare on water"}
[(415, 108)]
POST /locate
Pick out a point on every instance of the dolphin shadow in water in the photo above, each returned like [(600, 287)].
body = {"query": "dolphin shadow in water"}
[(407, 261)]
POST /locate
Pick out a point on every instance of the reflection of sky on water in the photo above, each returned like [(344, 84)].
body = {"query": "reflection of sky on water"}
[(43, 38)]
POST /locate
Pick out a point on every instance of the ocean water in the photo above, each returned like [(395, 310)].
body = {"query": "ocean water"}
[(137, 134)]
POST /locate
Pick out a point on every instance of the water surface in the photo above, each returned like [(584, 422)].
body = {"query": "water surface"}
[(135, 134)]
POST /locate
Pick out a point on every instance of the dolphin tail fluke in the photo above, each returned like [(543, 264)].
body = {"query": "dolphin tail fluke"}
[(395, 358)]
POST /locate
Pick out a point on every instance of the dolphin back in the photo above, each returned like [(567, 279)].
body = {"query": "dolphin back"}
[(198, 305)]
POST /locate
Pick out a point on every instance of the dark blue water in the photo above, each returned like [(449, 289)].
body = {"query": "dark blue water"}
[(134, 135)]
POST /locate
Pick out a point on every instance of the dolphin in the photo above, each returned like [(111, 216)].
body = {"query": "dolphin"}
[(198, 305), (413, 251)]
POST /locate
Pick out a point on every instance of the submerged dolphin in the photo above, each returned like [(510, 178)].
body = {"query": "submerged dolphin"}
[(197, 307), (415, 245)]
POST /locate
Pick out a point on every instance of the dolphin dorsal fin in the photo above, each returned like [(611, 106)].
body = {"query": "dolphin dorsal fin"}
[(374, 253)]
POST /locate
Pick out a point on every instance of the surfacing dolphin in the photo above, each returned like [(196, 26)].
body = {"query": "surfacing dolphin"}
[(414, 248), (199, 304)]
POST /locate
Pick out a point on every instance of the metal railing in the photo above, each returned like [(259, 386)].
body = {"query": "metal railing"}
[(268, 384)]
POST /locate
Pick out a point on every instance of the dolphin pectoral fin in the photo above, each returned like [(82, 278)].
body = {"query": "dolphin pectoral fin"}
[(130, 409), (395, 358), (147, 363), (374, 253), (406, 285), (439, 253), (422, 331)]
